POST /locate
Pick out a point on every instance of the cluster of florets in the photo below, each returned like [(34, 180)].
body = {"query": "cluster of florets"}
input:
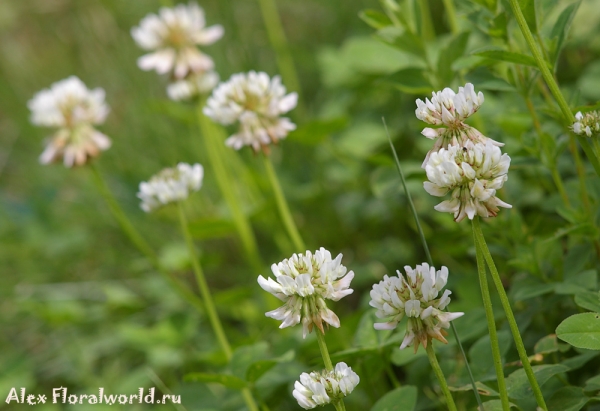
[(170, 185), (462, 161), (588, 123), (415, 296), (73, 109), (173, 36), (256, 102), (321, 388), (303, 283)]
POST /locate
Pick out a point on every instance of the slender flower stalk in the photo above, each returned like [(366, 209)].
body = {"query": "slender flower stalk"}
[(209, 304), (440, 376), (451, 15), (430, 261), (282, 206), (138, 241), (489, 315), (551, 82), (211, 139), (481, 244)]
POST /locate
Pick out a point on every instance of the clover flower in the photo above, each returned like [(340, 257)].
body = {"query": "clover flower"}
[(303, 283), (587, 124), (192, 85), (72, 108), (256, 102), (415, 296), (472, 173), (173, 35), (325, 387), (171, 184), (451, 109)]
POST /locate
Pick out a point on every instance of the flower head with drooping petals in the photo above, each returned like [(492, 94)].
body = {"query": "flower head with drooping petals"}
[(256, 102), (451, 109), (471, 173), (326, 387), (170, 185), (588, 124), (72, 108), (173, 35), (415, 296), (303, 283)]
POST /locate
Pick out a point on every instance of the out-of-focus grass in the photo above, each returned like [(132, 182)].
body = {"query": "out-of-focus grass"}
[(80, 307)]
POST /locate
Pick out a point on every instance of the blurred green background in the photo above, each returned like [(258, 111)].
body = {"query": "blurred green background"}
[(81, 308)]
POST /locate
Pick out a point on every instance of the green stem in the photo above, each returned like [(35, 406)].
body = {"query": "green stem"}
[(440, 376), (226, 185), (489, 314), (427, 30), (339, 405), (282, 205), (278, 40), (537, 392), (209, 304), (551, 82), (138, 241), (451, 15), (430, 261)]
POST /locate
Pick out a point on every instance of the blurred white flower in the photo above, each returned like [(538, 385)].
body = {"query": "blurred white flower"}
[(303, 283), (256, 102), (171, 184), (173, 34), (472, 173), (415, 296), (587, 124), (449, 108), (192, 85), (325, 387), (72, 108)]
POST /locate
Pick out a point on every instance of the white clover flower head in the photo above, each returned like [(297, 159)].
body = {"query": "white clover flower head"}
[(303, 282), (588, 124), (170, 185), (322, 388), (449, 108), (173, 35), (472, 174), (446, 137), (72, 108), (256, 102), (192, 86), (415, 295)]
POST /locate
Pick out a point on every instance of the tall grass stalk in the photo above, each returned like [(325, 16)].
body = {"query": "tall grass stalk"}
[(278, 40), (339, 405), (210, 136), (512, 323), (489, 315), (282, 206), (430, 261), (209, 304), (551, 82), (138, 241), (440, 376)]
